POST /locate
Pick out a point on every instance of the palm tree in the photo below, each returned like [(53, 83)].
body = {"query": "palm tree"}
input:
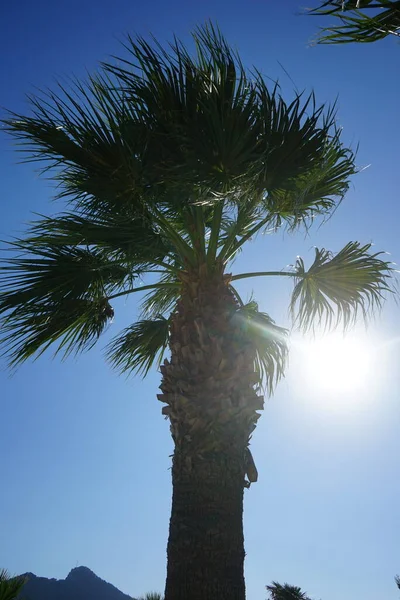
[(357, 25), (170, 162), (397, 580), (10, 587), (285, 592)]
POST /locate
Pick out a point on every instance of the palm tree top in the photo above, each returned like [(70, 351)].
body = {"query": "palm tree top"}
[(167, 162), (286, 591)]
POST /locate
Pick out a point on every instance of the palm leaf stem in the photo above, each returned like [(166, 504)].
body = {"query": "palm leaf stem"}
[(264, 274), (180, 244), (142, 288), (214, 235), (232, 247)]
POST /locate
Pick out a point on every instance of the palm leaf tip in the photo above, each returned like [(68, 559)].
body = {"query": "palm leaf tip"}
[(139, 346), (337, 288), (269, 342)]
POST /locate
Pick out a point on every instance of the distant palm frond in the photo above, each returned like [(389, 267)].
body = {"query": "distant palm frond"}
[(355, 24), (337, 287), (152, 596), (285, 592)]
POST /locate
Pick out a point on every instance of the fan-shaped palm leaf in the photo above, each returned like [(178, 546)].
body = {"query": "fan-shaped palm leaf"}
[(339, 286)]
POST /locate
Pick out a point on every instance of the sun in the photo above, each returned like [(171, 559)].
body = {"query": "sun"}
[(336, 363)]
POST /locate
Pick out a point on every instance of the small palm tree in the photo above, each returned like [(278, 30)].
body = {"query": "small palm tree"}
[(10, 587), (170, 163), (285, 592), (357, 25)]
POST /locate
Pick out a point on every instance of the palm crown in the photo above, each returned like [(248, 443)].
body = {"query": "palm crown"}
[(170, 162), (278, 591)]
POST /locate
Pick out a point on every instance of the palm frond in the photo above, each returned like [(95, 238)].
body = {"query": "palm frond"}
[(337, 287), (397, 580), (139, 346), (56, 293), (269, 341), (165, 130), (278, 591), (10, 587), (161, 301), (224, 134), (133, 240), (73, 133), (316, 192), (355, 24), (55, 272), (76, 324)]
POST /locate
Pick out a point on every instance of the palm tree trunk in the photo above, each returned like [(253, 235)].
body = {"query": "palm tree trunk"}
[(206, 547), (208, 387)]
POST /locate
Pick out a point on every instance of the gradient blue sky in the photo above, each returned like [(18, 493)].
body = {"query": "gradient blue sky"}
[(85, 454)]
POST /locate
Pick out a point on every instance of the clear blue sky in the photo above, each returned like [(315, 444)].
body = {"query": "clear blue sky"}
[(85, 454)]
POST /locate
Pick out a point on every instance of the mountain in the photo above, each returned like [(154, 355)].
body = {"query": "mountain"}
[(80, 584)]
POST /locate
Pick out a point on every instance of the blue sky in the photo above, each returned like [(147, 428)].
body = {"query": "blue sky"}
[(85, 466)]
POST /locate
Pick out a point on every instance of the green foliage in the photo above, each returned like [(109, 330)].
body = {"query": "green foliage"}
[(57, 293), (10, 587), (269, 340), (152, 596), (139, 346), (355, 25), (339, 286), (170, 161), (285, 592)]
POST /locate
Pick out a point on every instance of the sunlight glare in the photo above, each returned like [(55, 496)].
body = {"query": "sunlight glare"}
[(337, 363)]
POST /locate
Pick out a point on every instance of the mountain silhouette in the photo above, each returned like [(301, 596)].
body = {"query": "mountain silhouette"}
[(80, 584)]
